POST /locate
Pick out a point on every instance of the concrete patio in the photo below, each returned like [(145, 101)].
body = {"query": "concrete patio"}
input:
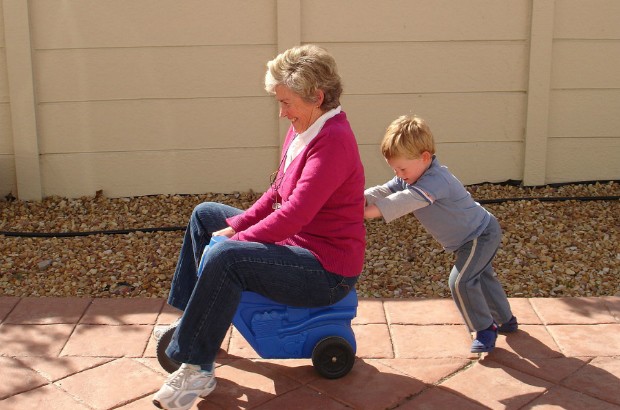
[(81, 353)]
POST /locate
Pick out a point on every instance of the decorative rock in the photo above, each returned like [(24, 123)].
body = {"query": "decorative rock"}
[(558, 249)]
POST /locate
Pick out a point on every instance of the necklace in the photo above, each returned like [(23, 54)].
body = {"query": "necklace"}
[(275, 181), (275, 185)]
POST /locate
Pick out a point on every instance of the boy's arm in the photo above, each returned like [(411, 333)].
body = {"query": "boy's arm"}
[(371, 211), (376, 193), (396, 205)]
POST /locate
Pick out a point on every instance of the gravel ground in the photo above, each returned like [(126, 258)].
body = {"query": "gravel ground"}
[(550, 248)]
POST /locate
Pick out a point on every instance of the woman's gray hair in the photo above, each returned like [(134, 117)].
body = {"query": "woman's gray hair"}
[(305, 70)]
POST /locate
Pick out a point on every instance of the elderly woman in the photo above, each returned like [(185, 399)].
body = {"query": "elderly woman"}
[(302, 243)]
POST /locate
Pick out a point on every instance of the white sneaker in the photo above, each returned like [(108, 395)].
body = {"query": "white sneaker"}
[(159, 331), (183, 387)]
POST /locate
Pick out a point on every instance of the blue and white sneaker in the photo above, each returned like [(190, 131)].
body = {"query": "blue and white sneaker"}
[(509, 327), (485, 340), (183, 387)]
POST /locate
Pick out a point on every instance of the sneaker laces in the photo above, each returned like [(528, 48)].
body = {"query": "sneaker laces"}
[(176, 379)]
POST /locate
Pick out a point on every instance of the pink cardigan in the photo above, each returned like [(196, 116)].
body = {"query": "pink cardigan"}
[(322, 196)]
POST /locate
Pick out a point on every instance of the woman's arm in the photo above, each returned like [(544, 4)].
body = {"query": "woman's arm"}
[(258, 211), (329, 162), (264, 205)]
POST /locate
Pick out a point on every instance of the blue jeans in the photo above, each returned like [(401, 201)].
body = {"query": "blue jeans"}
[(286, 274), (477, 292)]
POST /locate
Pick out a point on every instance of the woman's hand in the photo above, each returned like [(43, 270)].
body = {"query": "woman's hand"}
[(228, 232)]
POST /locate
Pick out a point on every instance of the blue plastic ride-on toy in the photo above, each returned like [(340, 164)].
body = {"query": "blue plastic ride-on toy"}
[(277, 331)]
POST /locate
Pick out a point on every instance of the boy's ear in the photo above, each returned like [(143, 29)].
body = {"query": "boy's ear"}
[(427, 156)]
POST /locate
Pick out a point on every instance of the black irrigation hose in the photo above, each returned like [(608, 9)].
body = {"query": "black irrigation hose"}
[(182, 228), (550, 199), (88, 233)]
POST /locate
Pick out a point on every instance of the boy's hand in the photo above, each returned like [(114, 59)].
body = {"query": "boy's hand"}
[(372, 211)]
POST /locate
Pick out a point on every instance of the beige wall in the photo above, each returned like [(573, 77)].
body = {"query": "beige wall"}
[(166, 96), (584, 116), (7, 162)]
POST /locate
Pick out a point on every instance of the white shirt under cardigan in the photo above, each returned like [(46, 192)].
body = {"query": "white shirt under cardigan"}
[(303, 139)]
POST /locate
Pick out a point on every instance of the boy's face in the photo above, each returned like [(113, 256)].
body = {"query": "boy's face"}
[(299, 112), (410, 170)]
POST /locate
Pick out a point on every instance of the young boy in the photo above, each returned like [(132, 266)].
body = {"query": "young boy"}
[(448, 212)]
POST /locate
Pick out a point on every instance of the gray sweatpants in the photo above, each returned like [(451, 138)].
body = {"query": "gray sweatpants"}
[(477, 292)]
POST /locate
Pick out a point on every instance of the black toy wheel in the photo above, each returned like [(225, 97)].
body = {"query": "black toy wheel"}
[(167, 363), (333, 357)]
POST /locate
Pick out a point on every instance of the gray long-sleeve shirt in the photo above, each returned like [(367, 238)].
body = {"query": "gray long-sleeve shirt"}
[(438, 200)]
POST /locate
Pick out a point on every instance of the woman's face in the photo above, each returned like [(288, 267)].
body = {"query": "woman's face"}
[(301, 113)]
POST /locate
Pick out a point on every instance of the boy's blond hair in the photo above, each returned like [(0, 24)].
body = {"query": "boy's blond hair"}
[(408, 137)]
